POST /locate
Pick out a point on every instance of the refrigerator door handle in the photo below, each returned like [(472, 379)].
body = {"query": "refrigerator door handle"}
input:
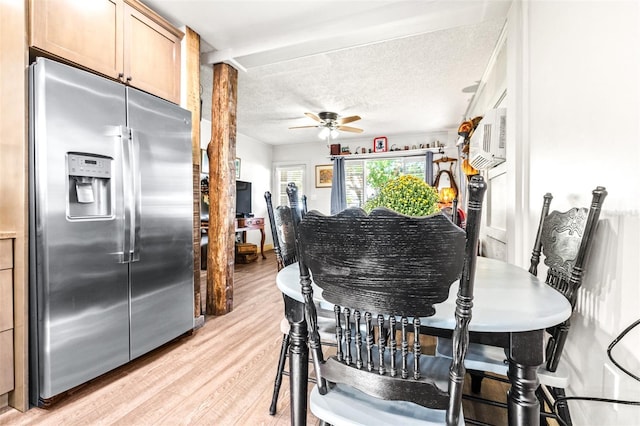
[(136, 197), (127, 194)]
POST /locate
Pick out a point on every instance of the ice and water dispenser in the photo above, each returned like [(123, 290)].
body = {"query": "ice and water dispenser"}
[(89, 186)]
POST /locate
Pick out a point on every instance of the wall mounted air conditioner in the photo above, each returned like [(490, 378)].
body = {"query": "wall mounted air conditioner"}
[(488, 141)]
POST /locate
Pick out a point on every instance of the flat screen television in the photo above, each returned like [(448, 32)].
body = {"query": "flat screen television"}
[(243, 199)]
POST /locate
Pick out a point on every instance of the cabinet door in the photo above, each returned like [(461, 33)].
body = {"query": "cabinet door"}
[(151, 55), (88, 33), (6, 316), (6, 361)]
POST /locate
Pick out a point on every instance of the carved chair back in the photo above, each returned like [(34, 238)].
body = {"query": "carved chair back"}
[(385, 271), (281, 222), (564, 239)]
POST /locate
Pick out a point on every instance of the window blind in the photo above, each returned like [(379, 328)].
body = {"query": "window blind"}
[(286, 174)]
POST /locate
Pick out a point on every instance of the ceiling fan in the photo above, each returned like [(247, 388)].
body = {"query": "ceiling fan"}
[(329, 124)]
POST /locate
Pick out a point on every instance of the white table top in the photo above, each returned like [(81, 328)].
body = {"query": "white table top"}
[(506, 299)]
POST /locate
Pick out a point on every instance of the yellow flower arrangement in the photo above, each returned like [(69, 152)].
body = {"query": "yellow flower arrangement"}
[(406, 194)]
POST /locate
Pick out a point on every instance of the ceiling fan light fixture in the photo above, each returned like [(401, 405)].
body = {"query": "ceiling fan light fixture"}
[(324, 133), (334, 133)]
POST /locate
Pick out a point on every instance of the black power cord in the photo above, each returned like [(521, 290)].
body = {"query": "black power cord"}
[(615, 342), (587, 398), (607, 400)]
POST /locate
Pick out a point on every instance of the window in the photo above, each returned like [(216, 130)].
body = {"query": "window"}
[(354, 182), (284, 175), (364, 176)]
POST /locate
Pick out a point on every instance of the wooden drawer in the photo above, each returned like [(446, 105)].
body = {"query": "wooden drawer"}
[(246, 248), (6, 299), (6, 361), (250, 222), (256, 221), (6, 254)]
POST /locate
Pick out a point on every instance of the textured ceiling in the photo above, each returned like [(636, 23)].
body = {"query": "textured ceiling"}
[(405, 67)]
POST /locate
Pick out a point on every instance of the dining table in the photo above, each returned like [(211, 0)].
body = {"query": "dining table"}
[(511, 309)]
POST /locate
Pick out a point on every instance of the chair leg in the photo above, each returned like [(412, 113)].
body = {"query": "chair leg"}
[(476, 381), (542, 400), (284, 349), (563, 407)]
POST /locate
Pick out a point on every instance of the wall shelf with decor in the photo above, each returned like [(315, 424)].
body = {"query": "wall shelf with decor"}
[(390, 154)]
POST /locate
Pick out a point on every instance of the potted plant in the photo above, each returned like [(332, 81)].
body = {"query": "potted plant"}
[(406, 194)]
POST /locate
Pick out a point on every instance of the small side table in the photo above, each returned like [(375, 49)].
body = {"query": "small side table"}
[(245, 224)]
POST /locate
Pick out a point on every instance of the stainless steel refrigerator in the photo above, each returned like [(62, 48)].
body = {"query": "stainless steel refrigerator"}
[(111, 214)]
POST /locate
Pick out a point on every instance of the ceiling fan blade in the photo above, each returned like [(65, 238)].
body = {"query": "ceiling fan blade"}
[(302, 127), (350, 129), (313, 116), (345, 120)]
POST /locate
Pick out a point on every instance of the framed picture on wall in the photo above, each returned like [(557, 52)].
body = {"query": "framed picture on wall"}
[(324, 175), (380, 144)]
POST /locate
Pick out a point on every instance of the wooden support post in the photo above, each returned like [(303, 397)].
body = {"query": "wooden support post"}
[(222, 152), (192, 52)]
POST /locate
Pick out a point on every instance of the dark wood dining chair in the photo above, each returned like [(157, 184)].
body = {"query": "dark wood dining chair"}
[(563, 239), (281, 222), (282, 232), (383, 272)]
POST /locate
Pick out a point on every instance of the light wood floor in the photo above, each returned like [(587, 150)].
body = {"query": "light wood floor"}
[(216, 376)]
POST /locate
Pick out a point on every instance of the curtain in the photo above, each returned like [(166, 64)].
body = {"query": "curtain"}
[(428, 168), (338, 186)]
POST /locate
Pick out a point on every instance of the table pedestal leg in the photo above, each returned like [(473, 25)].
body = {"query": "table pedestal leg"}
[(525, 355), (298, 361), (299, 372)]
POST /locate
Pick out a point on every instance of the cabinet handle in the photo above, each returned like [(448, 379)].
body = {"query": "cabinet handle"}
[(128, 78), (120, 75)]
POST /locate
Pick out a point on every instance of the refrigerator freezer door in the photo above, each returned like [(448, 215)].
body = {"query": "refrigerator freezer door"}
[(79, 287), (162, 306)]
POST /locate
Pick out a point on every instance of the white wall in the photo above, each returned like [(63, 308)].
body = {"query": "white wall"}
[(491, 94), (309, 155), (255, 167), (577, 102)]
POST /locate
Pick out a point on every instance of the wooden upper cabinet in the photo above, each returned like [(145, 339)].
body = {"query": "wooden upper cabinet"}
[(88, 33), (151, 55), (121, 39)]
